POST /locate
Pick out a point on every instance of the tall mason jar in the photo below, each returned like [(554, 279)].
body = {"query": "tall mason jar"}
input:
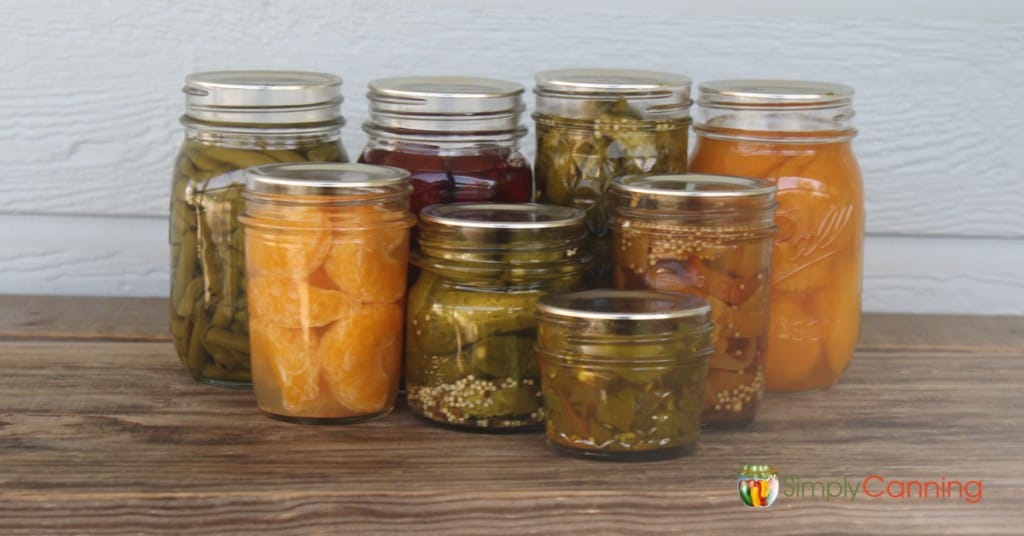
[(457, 136), (234, 120), (596, 124), (472, 323), (797, 135), (709, 236)]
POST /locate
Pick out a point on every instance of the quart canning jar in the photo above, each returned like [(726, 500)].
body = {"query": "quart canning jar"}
[(327, 249), (471, 327), (234, 120), (458, 137), (623, 372), (797, 135), (709, 236), (596, 124)]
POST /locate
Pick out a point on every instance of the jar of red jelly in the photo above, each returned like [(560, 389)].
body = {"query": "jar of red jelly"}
[(458, 137)]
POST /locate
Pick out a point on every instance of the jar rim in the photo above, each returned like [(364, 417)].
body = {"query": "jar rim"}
[(512, 216), (739, 93), (263, 97), (321, 178), (695, 185), (618, 305)]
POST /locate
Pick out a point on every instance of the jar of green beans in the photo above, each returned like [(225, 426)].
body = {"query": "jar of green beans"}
[(234, 120)]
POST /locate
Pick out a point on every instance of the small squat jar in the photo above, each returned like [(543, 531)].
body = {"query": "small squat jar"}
[(471, 324), (623, 372), (458, 137), (327, 250), (234, 120), (798, 135), (709, 236), (596, 124)]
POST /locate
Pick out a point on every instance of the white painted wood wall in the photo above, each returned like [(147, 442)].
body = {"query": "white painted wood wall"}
[(89, 101)]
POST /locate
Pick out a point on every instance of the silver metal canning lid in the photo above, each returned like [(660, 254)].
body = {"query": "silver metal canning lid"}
[(445, 104), (518, 216), (263, 97), (571, 92), (318, 178), (773, 93), (631, 305), (695, 185)]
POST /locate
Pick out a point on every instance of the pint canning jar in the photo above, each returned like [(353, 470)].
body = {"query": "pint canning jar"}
[(709, 236), (596, 124), (623, 372), (797, 135), (471, 327), (458, 137), (234, 120), (327, 248)]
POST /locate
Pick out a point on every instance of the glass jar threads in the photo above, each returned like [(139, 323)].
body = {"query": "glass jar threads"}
[(234, 120), (471, 323), (596, 124), (797, 135), (709, 236), (458, 137), (327, 250), (623, 372)]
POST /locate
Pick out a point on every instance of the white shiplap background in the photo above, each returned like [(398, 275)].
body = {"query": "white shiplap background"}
[(89, 101)]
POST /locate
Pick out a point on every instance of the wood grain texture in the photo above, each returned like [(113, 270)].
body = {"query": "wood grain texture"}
[(113, 437), (91, 100), (83, 318)]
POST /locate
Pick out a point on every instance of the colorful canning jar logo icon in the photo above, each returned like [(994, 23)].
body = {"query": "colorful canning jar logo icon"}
[(758, 485)]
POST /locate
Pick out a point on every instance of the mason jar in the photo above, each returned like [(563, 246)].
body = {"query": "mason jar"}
[(797, 135), (234, 120), (327, 248), (623, 372), (709, 236), (471, 324), (596, 124), (457, 136)]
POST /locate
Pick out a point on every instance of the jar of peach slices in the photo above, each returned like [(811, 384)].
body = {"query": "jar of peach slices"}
[(327, 250), (797, 135)]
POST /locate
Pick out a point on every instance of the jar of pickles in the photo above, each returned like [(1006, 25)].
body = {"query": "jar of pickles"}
[(623, 372), (234, 120), (326, 251), (596, 124), (471, 323), (458, 137), (709, 236), (797, 135)]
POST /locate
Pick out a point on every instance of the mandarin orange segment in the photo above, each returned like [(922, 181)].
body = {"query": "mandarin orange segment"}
[(360, 356), (293, 303), (370, 265), (289, 248), (794, 342), (840, 307), (288, 356)]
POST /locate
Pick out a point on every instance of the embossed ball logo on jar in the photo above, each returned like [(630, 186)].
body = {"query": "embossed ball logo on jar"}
[(758, 485)]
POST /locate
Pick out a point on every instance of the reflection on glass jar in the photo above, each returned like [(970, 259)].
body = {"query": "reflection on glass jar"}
[(234, 120), (709, 236), (471, 324), (596, 124), (797, 135), (327, 248), (623, 372)]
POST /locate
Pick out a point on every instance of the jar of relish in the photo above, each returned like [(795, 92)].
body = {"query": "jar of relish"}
[(458, 137)]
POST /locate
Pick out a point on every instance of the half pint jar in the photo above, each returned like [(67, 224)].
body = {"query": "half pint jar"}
[(327, 249), (234, 120), (797, 135), (709, 236), (596, 124), (471, 328), (623, 372)]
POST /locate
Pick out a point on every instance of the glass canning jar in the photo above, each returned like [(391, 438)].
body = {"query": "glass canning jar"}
[(471, 324), (709, 236), (234, 120), (623, 372), (596, 124), (798, 136), (327, 249), (458, 137)]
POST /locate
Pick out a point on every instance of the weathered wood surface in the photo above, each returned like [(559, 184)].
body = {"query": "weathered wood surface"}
[(107, 434)]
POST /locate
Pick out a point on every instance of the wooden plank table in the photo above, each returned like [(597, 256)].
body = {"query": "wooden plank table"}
[(101, 431)]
